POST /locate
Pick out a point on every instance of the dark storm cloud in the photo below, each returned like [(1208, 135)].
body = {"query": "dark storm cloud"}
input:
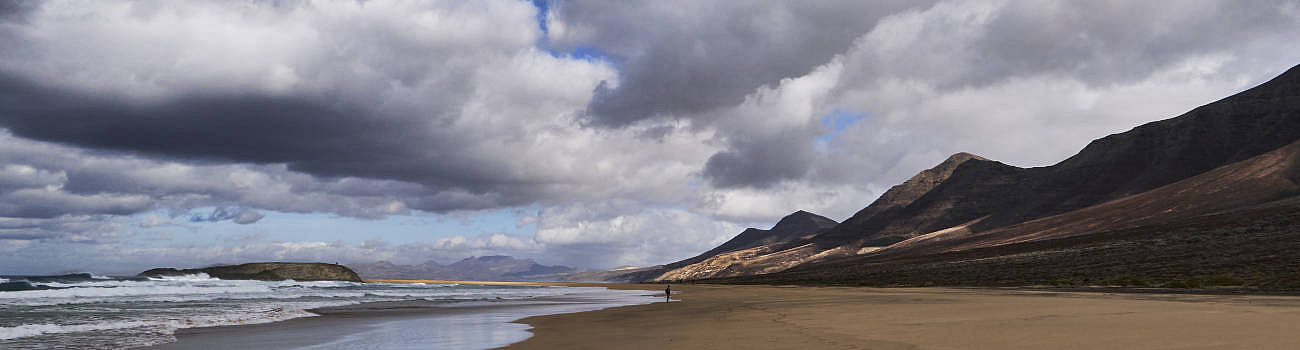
[(17, 10), (259, 129), (760, 164), (699, 61), (684, 59), (333, 90), (310, 134)]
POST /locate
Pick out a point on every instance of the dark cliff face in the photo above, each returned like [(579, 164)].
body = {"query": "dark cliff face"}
[(268, 271), (1235, 128), (934, 199), (909, 191)]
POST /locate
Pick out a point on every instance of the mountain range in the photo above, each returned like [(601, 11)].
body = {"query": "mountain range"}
[(474, 268), (1209, 197)]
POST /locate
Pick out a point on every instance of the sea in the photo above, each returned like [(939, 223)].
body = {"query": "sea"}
[(80, 311)]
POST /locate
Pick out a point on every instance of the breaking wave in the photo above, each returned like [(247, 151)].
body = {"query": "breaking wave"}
[(116, 312)]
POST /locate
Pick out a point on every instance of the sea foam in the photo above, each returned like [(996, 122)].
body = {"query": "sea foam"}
[(70, 311), (167, 326)]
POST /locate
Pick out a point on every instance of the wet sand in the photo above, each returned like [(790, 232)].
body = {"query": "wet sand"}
[(767, 317), (333, 325), (415, 324)]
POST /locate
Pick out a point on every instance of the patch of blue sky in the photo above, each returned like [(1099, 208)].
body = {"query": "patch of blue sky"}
[(590, 54), (319, 227), (543, 7), (582, 52), (835, 123)]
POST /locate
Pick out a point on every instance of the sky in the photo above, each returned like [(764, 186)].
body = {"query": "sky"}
[(593, 134)]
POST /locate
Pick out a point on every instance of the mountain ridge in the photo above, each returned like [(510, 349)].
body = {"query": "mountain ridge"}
[(1148, 156), (970, 203), (475, 268)]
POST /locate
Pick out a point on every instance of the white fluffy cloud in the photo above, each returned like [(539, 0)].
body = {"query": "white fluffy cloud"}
[(618, 233)]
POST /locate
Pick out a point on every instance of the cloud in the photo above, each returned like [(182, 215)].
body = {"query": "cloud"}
[(1025, 82), (680, 60), (67, 228), (771, 132), (117, 257), (46, 180), (307, 85), (620, 233), (237, 215), (639, 133)]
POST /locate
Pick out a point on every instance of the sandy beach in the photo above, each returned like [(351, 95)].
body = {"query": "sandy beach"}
[(770, 317), (789, 317)]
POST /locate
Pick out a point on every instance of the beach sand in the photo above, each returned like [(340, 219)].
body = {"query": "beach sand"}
[(334, 324), (769, 317)]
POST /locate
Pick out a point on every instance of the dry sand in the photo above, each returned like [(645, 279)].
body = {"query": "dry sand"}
[(766, 317)]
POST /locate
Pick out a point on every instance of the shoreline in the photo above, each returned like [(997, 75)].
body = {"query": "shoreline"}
[(763, 316), (411, 324)]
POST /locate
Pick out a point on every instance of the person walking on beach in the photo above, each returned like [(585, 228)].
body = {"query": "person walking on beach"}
[(668, 291)]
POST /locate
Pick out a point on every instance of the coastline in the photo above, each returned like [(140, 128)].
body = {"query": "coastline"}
[(414, 324), (781, 317), (784, 317)]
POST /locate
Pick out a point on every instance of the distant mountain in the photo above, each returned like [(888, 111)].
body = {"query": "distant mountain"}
[(388, 270), (958, 222), (484, 268)]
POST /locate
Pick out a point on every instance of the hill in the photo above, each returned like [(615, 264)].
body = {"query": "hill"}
[(267, 271)]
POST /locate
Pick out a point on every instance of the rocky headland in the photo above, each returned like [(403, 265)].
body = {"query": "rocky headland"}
[(267, 271)]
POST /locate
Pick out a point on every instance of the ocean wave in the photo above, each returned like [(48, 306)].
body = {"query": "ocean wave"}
[(44, 318), (266, 314), (200, 288), (30, 330), (190, 277), (17, 286)]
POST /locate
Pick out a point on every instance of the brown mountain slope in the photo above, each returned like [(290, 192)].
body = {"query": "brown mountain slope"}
[(737, 256), (1152, 155), (1238, 224), (1253, 247), (790, 228), (1265, 178), (909, 191)]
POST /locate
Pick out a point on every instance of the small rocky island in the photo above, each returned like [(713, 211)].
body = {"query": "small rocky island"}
[(267, 271)]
